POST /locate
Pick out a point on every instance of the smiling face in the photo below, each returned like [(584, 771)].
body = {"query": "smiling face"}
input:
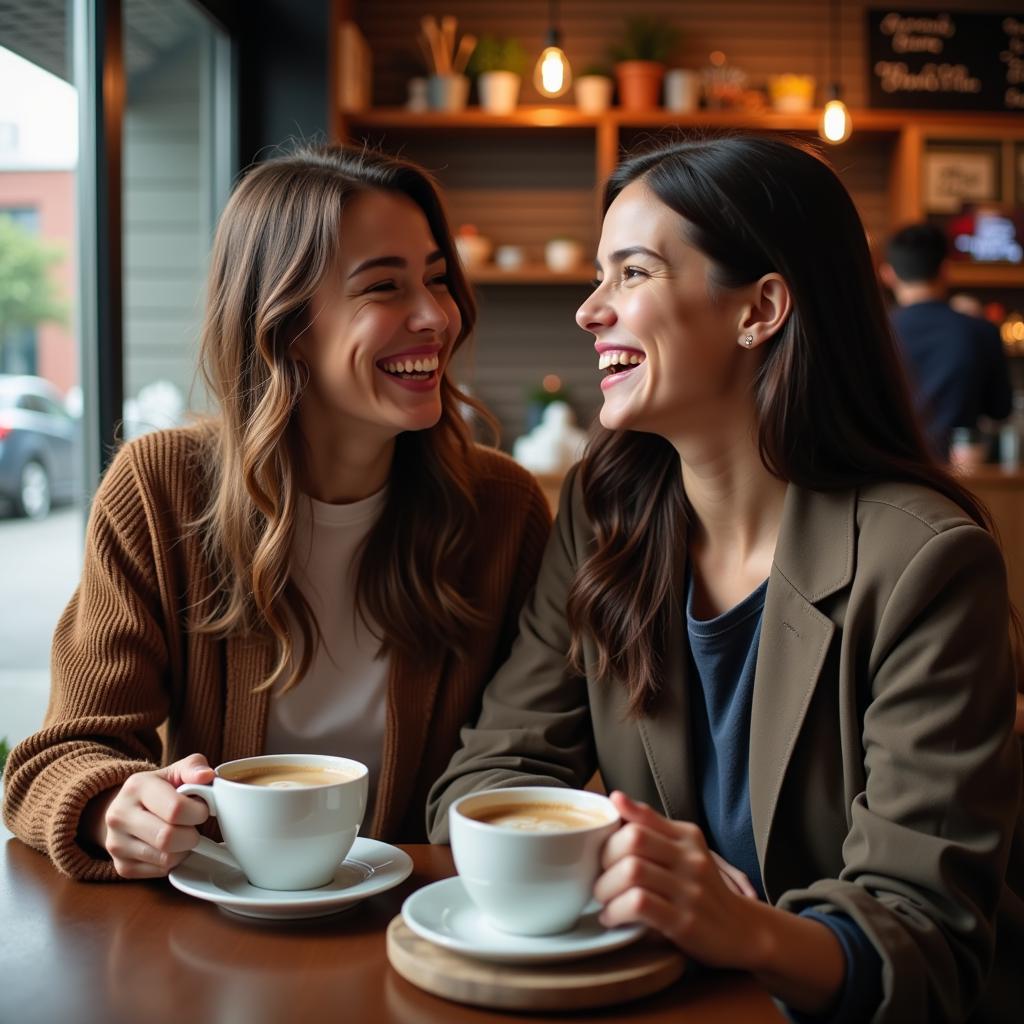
[(668, 349), (382, 326)]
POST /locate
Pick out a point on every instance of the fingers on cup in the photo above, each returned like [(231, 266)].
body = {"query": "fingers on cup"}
[(638, 840), (627, 873), (638, 905), (160, 798)]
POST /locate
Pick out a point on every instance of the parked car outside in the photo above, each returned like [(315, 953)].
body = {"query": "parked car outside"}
[(38, 440)]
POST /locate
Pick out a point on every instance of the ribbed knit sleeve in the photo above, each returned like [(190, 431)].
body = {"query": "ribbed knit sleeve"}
[(107, 688)]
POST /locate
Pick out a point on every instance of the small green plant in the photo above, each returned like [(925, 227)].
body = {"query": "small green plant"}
[(644, 38), (4, 751), (596, 70), (497, 53)]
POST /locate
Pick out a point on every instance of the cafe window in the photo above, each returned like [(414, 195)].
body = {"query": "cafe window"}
[(41, 510), (171, 149), (176, 174)]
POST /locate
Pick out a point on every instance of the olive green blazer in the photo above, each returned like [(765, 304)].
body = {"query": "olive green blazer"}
[(885, 779)]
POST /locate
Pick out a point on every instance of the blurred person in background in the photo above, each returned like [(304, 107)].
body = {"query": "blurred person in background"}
[(957, 368)]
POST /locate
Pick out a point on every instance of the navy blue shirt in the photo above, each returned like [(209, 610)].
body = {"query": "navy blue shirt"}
[(956, 366), (723, 657)]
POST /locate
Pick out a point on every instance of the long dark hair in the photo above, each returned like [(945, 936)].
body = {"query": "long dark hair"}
[(833, 407), (275, 244)]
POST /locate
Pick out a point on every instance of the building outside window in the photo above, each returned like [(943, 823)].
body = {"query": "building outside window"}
[(177, 164)]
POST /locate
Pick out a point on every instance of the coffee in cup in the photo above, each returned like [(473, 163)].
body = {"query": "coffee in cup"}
[(536, 816), (528, 856), (288, 820), (287, 776)]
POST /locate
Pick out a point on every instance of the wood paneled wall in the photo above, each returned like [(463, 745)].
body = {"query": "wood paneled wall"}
[(524, 186)]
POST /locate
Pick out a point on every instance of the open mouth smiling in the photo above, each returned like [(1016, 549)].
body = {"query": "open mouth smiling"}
[(420, 366), (615, 361)]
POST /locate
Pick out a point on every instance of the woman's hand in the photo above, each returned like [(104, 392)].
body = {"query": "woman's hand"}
[(662, 874), (144, 824), (734, 878)]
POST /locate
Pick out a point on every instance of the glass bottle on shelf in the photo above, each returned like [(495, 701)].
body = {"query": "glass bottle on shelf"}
[(1011, 436)]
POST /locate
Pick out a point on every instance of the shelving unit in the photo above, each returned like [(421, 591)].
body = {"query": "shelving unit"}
[(525, 177)]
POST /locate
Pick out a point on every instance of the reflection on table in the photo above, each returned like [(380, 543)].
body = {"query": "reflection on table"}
[(142, 951)]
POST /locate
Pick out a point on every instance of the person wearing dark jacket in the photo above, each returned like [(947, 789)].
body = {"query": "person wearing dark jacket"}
[(957, 368)]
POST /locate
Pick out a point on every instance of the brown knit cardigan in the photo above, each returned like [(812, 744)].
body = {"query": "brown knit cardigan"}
[(133, 688)]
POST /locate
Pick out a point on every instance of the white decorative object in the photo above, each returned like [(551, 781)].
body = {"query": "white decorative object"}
[(499, 91), (448, 93), (682, 90), (593, 93), (509, 257), (562, 255), (417, 99), (554, 444)]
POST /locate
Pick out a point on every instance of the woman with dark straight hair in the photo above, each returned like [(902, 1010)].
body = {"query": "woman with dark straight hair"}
[(775, 625), (329, 566)]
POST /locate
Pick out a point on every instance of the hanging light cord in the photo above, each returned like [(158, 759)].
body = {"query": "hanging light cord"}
[(834, 44)]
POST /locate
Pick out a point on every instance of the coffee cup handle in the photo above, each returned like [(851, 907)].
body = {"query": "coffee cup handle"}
[(207, 847)]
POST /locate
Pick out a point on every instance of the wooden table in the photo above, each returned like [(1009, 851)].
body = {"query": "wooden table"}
[(133, 952)]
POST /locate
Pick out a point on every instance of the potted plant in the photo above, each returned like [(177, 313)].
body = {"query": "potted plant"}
[(639, 61), (593, 90), (498, 64)]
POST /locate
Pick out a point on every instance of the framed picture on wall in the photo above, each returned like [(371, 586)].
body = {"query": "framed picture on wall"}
[(953, 177)]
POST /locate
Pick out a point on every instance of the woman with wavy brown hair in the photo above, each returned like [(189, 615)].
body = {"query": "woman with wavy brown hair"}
[(779, 630), (329, 566)]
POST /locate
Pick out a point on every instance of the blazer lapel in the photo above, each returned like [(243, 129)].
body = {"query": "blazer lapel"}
[(813, 559), (412, 694)]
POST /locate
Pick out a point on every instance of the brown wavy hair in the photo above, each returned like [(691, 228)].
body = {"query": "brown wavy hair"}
[(833, 406), (275, 243)]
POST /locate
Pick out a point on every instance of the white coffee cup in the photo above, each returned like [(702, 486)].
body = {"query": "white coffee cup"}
[(529, 882), (286, 838)]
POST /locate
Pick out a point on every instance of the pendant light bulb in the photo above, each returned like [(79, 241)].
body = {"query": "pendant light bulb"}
[(836, 124), (553, 75)]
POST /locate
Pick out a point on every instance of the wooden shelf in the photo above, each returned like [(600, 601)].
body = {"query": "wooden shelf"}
[(985, 275), (472, 117), (565, 116), (530, 273)]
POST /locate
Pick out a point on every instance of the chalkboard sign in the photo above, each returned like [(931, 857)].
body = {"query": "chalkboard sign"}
[(946, 60)]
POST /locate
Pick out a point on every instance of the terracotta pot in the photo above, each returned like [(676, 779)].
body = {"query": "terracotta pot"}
[(639, 84)]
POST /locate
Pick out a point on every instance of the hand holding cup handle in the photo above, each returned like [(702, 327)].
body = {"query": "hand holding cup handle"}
[(144, 824), (204, 846)]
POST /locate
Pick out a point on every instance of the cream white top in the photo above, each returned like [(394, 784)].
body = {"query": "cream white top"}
[(339, 706)]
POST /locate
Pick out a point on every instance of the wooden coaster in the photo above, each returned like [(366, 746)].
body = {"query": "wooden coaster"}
[(617, 977)]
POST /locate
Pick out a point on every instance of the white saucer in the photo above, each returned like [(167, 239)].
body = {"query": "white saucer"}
[(370, 867), (443, 913)]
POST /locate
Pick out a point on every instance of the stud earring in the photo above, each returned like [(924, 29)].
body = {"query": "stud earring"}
[(748, 340)]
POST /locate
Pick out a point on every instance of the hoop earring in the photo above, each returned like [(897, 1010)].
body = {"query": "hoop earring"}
[(748, 340)]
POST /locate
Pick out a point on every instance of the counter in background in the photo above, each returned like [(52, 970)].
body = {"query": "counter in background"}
[(1002, 492)]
